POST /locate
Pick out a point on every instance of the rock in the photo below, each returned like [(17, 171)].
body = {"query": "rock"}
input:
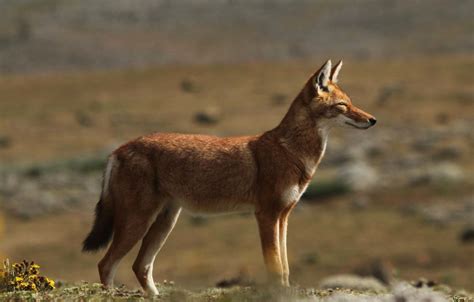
[(467, 235), (359, 175), (375, 151), (352, 282), (448, 153), (84, 119), (279, 99), (208, 116), (310, 258), (442, 118), (404, 292), (435, 214), (188, 86), (5, 141), (379, 269), (9, 183), (422, 282), (446, 172), (444, 212), (441, 173)]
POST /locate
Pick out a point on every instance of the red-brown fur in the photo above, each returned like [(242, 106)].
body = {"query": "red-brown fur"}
[(152, 177)]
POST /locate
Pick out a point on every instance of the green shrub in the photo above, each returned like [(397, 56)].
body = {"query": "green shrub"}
[(326, 188)]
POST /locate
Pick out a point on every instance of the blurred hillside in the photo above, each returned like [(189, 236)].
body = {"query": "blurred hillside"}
[(44, 35)]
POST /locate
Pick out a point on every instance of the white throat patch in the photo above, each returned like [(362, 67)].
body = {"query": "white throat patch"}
[(323, 131)]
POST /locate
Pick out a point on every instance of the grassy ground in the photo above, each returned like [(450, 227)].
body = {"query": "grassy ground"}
[(95, 292)]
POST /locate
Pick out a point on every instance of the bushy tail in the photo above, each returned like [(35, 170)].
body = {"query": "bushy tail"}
[(102, 229)]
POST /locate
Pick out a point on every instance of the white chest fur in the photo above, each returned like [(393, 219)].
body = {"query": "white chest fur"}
[(293, 193), (324, 133)]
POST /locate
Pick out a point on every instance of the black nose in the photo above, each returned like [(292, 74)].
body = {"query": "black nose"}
[(372, 121)]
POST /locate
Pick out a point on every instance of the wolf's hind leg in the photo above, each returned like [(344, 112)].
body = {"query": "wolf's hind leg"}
[(151, 245), (127, 233)]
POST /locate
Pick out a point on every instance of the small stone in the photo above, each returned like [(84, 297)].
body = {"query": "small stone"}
[(188, 85), (359, 175), (5, 141), (448, 153), (467, 235), (380, 269), (208, 116), (438, 174), (279, 98), (84, 119), (310, 258)]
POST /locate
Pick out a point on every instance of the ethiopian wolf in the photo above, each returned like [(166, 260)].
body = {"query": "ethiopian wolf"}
[(149, 180)]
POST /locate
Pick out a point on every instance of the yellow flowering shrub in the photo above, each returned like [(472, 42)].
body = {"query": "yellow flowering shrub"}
[(23, 276)]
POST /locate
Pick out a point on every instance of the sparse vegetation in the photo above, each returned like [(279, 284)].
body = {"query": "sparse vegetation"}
[(325, 188)]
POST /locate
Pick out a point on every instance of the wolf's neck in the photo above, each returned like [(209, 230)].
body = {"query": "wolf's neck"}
[(301, 133)]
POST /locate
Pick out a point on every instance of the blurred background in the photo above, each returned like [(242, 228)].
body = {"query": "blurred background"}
[(78, 78)]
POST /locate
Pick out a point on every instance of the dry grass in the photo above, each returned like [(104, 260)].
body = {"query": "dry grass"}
[(334, 236)]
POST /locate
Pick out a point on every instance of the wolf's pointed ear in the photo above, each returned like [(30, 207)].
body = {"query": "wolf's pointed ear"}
[(321, 80), (335, 71)]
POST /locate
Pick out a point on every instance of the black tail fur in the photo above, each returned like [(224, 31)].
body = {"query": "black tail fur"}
[(102, 230)]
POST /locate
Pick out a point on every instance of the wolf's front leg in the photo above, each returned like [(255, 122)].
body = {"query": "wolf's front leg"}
[(268, 224), (283, 221)]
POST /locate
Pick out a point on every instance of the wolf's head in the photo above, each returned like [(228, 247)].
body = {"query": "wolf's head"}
[(332, 106)]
